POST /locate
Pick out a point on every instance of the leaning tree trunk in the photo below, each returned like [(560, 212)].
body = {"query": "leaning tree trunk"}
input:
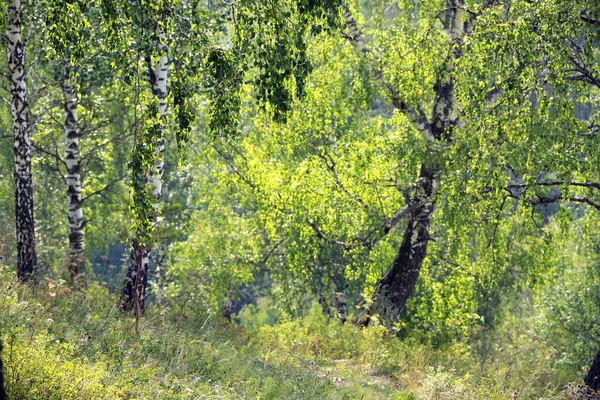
[(25, 233), (136, 280), (395, 287), (76, 245)]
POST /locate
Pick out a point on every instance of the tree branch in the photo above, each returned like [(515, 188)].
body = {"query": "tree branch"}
[(592, 185), (330, 164), (54, 156), (234, 168), (575, 199), (416, 116), (589, 20), (100, 192), (272, 251), (368, 241), (587, 201)]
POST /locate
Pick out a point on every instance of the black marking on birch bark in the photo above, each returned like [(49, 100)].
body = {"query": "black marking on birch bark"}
[(24, 221)]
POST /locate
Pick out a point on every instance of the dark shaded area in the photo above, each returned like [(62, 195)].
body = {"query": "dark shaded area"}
[(593, 377), (2, 392)]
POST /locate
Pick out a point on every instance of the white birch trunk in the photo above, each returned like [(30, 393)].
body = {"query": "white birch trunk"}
[(136, 281), (25, 232), (73, 178)]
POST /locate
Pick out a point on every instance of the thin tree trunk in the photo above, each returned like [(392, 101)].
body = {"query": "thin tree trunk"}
[(76, 222), (395, 287), (323, 302), (136, 280), (25, 232), (340, 305), (2, 391)]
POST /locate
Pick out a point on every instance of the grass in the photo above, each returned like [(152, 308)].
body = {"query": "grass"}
[(63, 345)]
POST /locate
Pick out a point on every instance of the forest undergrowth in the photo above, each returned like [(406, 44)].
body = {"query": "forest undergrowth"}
[(60, 344)]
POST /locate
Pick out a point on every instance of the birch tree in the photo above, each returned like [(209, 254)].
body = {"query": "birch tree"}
[(73, 178), (25, 229), (436, 129), (66, 39), (136, 281), (540, 119), (221, 70), (156, 27)]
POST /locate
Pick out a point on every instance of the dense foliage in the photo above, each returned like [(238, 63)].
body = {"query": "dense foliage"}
[(425, 170)]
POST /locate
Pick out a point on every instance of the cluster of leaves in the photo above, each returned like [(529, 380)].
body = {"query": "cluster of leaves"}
[(142, 166), (274, 35)]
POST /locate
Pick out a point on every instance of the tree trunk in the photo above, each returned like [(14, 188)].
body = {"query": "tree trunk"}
[(25, 233), (134, 288), (323, 302), (2, 392), (393, 290), (340, 305), (136, 280), (593, 377), (396, 286), (77, 278)]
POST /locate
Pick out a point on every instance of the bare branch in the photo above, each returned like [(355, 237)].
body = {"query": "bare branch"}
[(580, 71), (54, 156), (587, 201), (367, 241), (94, 149), (541, 200), (586, 18), (396, 218), (54, 167), (347, 245), (594, 130), (272, 251)]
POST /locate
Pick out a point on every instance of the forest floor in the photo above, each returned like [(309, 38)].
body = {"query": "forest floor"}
[(62, 345)]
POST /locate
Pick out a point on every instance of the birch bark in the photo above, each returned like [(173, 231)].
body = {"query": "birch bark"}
[(136, 281), (25, 232), (73, 177)]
